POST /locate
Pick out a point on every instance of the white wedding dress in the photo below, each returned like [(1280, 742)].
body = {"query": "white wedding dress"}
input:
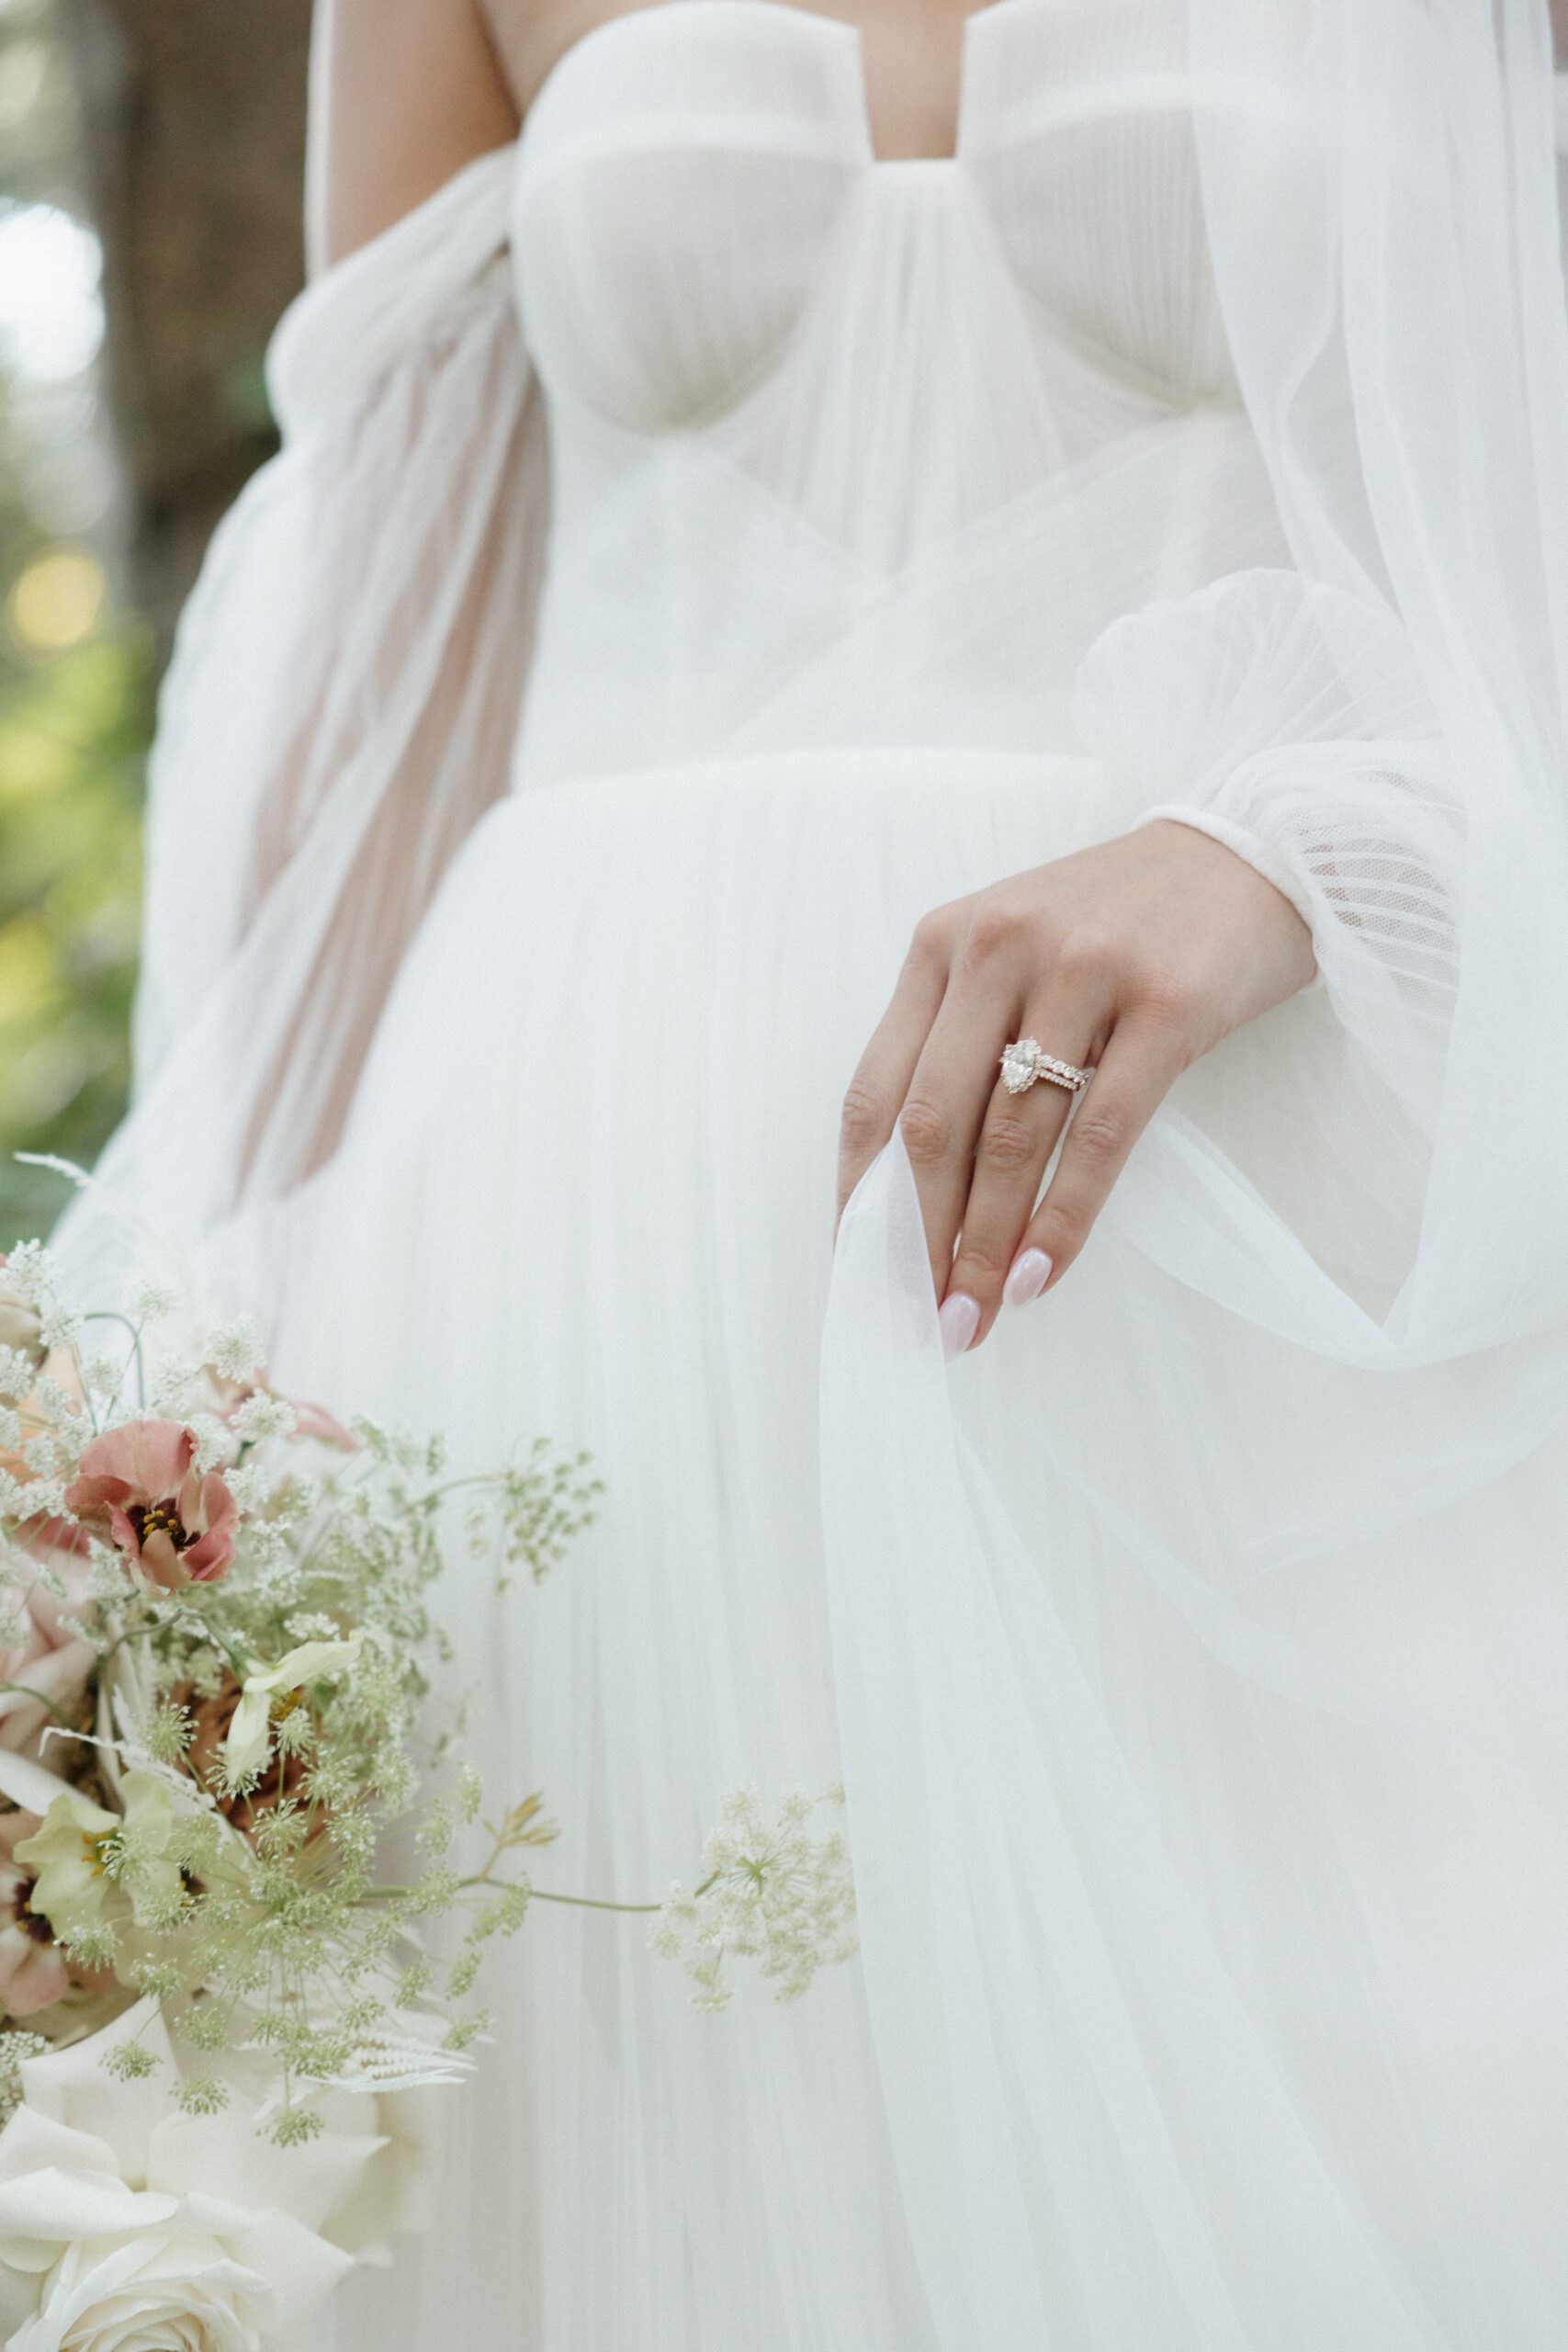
[(700, 546)]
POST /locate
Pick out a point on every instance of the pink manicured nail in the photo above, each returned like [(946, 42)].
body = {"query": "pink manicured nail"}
[(1031, 1272), (958, 1322)]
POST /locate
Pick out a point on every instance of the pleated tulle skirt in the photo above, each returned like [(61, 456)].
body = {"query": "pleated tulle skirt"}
[(588, 1193)]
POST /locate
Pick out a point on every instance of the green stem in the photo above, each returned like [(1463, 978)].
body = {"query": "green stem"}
[(111, 1314), (586, 1902), (87, 1392), (539, 1895), (29, 1692)]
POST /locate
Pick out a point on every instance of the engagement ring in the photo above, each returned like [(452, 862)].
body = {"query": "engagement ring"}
[(1024, 1062)]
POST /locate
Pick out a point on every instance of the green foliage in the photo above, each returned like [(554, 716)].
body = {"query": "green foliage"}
[(73, 736), (75, 702)]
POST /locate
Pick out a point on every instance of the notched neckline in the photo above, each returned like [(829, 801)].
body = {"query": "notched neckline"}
[(848, 38)]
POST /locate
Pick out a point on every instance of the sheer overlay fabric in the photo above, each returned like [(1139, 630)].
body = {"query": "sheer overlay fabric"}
[(690, 495)]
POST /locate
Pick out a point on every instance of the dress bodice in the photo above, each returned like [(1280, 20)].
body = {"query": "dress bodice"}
[(826, 428)]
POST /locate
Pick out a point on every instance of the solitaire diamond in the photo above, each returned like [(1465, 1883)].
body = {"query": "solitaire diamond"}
[(1021, 1066)]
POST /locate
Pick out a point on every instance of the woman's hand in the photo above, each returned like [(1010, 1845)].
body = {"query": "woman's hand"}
[(1135, 956)]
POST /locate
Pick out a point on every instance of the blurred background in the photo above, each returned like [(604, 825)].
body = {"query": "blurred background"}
[(150, 169)]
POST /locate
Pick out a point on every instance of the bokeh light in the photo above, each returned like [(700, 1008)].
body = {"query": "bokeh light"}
[(74, 668), (51, 312), (57, 599)]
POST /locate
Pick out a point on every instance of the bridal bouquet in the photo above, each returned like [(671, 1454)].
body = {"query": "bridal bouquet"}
[(218, 1663)]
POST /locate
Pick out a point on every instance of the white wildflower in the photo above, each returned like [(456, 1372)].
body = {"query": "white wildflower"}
[(213, 1443), (311, 1625), (29, 1271), (175, 1389), (262, 1417), (46, 1497), (106, 1577), (59, 1326), (59, 1409), (17, 2045), (250, 1483), (773, 1891), (150, 1301), (234, 1350)]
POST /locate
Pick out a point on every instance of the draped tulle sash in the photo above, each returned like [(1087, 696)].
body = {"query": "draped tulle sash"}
[(1062, 2052)]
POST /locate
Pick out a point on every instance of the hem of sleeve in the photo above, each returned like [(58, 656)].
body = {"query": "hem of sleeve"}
[(1258, 853)]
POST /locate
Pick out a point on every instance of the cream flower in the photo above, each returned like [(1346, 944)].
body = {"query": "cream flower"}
[(247, 1740), (33, 1972), (125, 2227), (71, 1853)]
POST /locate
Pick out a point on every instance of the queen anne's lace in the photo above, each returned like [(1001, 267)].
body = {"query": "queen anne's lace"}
[(775, 1890)]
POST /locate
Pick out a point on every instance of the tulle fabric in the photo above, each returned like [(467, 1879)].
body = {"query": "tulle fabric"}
[(341, 705), (1191, 442)]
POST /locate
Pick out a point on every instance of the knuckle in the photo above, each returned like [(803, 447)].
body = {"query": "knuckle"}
[(1090, 961), (1100, 1136), (1062, 1229), (930, 941), (981, 1265), (1167, 998), (1007, 1144), (862, 1121), (995, 928), (927, 1130)]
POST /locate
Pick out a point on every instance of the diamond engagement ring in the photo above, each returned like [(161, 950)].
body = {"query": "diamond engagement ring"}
[(1024, 1062)]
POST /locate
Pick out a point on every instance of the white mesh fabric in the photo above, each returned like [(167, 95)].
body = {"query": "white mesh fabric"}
[(340, 709)]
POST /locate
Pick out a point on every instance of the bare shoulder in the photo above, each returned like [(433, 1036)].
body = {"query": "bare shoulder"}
[(404, 93)]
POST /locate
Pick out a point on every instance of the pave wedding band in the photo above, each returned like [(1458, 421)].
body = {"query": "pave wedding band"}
[(1024, 1061)]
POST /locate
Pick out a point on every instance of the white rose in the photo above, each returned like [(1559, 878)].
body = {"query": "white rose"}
[(125, 2227), (160, 2292)]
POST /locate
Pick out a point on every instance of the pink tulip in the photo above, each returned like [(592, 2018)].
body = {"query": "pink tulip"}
[(137, 1487), (33, 1970), (315, 1421)]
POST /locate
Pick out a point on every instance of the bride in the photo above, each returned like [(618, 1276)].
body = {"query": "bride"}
[(987, 593)]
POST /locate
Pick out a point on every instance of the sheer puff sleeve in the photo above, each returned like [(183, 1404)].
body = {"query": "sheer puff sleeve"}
[(1383, 730), (339, 713)]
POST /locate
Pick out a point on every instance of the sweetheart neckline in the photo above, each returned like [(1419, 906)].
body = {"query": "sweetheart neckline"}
[(850, 37)]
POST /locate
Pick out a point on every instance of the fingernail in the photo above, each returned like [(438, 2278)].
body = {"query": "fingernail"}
[(1031, 1272), (958, 1322)]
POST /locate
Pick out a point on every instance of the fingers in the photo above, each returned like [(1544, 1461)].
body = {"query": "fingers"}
[(877, 1090), (943, 1116), (1137, 1069), (979, 1154), (1020, 1133)]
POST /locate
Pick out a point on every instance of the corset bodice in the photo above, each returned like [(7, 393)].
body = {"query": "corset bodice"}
[(845, 446)]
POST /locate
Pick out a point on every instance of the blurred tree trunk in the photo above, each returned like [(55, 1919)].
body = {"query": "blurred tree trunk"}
[(193, 119)]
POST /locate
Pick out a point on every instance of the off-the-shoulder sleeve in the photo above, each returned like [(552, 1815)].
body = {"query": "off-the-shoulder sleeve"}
[(341, 706)]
